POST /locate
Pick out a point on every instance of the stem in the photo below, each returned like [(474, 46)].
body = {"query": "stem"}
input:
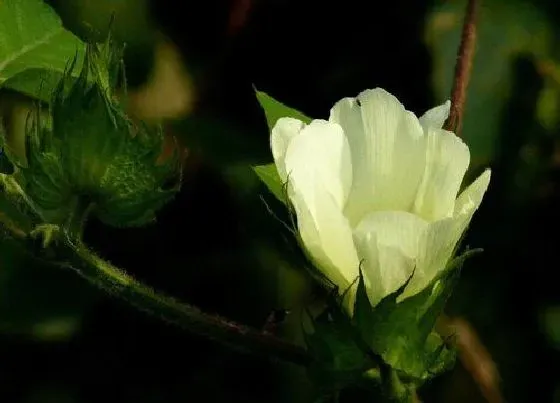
[(76, 221), (463, 69), (395, 390), (474, 356), (237, 336)]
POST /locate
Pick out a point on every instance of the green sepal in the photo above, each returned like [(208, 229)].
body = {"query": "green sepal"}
[(402, 333), (275, 110), (268, 174)]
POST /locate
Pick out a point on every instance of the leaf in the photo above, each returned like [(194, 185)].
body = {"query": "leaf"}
[(268, 174), (275, 110), (32, 37)]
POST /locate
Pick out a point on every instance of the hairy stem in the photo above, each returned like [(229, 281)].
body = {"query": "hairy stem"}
[(463, 69), (237, 336), (106, 276), (79, 212)]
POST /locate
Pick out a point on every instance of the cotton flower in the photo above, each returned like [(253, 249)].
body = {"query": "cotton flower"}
[(376, 188)]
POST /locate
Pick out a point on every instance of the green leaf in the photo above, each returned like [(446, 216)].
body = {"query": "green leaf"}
[(275, 110), (268, 174), (32, 37), (35, 83)]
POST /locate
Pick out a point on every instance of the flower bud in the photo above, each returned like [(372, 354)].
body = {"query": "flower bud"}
[(95, 155)]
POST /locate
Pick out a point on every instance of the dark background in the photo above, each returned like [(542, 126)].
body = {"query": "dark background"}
[(61, 340)]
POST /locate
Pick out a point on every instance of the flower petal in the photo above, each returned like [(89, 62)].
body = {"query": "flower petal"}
[(388, 242), (436, 247), (386, 144), (440, 240), (471, 197), (447, 159), (436, 117), (317, 162), (320, 155), (282, 134)]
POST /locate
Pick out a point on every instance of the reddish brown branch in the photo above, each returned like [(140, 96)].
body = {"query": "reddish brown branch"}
[(238, 15), (474, 356), (463, 68)]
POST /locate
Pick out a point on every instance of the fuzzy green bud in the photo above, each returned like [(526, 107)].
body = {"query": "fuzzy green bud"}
[(93, 155)]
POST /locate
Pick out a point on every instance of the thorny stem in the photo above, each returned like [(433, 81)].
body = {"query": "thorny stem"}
[(463, 69)]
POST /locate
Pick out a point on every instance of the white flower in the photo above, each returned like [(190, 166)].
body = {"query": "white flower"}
[(376, 185)]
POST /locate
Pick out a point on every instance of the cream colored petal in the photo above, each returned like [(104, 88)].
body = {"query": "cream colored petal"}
[(435, 117), (347, 113), (436, 246), (320, 154), (440, 240), (388, 245), (282, 134), (469, 200), (386, 144), (325, 233), (319, 175), (447, 159)]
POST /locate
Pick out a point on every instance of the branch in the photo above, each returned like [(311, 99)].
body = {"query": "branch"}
[(237, 336), (239, 14), (474, 356), (463, 69), (86, 263)]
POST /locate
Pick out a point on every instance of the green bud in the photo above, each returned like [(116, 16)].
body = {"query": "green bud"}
[(93, 155)]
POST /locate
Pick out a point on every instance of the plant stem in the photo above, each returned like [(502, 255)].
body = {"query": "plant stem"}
[(394, 389), (463, 69), (77, 218), (237, 336), (115, 281)]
